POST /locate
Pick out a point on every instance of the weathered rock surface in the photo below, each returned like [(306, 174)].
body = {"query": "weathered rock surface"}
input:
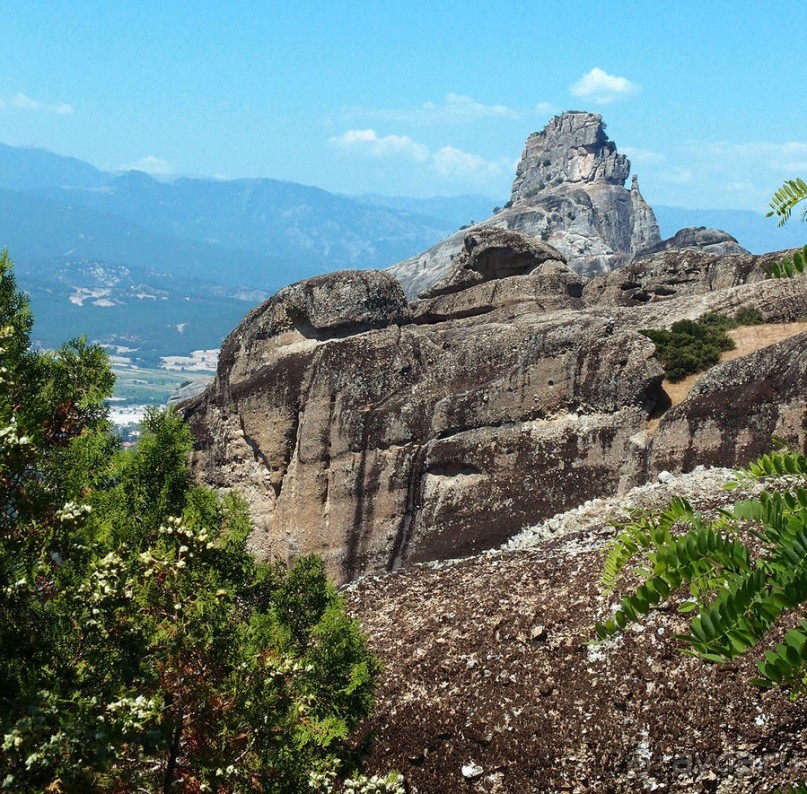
[(712, 241), (380, 434), (572, 148), (490, 254), (735, 409), (569, 192), (486, 663), (674, 274)]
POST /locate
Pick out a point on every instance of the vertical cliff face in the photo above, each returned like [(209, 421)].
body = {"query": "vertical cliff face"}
[(569, 190), (380, 433)]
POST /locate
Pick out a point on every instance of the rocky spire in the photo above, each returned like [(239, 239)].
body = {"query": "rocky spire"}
[(644, 232), (573, 147)]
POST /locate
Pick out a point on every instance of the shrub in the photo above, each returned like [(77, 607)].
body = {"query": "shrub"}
[(749, 315), (690, 346)]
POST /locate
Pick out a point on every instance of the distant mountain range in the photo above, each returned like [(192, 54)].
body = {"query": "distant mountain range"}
[(168, 267)]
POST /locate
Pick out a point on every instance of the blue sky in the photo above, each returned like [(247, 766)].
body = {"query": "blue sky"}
[(412, 98)]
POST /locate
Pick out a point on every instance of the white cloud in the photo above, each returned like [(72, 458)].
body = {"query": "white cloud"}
[(448, 163), (602, 88), (397, 146), (24, 102), (718, 174), (453, 109), (149, 165), (642, 157), (545, 109)]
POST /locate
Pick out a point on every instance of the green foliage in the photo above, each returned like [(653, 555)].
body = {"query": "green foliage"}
[(792, 192), (738, 592), (749, 315), (141, 646), (789, 267), (690, 346)]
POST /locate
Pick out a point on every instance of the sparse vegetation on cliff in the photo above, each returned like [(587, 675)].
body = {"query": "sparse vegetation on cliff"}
[(689, 346)]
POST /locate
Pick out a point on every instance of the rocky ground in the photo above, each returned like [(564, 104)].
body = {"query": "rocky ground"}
[(491, 686)]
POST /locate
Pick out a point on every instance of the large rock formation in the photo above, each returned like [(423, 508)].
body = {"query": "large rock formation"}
[(569, 191), (380, 434)]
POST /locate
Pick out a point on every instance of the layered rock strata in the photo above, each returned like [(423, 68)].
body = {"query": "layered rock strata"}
[(380, 433)]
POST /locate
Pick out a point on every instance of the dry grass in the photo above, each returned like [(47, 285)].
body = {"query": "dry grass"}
[(748, 339)]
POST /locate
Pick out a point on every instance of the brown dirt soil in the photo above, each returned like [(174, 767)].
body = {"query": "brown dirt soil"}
[(487, 665)]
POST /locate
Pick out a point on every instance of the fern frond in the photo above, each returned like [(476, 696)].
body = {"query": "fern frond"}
[(703, 557), (787, 663), (785, 199), (777, 464), (640, 534)]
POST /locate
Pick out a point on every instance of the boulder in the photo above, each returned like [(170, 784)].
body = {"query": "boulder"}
[(712, 241), (492, 253)]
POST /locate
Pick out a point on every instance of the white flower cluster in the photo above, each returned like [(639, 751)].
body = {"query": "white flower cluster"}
[(72, 512), (106, 585), (131, 713), (322, 780), (389, 784), (192, 542), (10, 438)]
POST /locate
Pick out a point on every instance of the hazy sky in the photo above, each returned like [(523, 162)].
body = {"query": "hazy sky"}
[(412, 98)]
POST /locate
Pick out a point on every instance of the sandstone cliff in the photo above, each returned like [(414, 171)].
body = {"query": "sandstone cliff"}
[(569, 191), (380, 433)]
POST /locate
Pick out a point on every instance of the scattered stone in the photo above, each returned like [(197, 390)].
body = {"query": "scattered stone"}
[(471, 770)]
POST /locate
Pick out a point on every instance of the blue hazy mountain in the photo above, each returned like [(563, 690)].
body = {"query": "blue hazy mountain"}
[(211, 248), (306, 227), (24, 168)]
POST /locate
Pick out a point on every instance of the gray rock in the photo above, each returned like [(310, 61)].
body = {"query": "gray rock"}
[(568, 191), (492, 253), (712, 241), (381, 435), (572, 148)]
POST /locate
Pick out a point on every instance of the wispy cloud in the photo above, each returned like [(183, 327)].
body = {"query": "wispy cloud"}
[(453, 109), (368, 141), (149, 165), (452, 162), (719, 174), (23, 102), (602, 88), (448, 162)]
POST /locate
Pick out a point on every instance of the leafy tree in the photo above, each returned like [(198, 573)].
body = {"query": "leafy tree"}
[(141, 646)]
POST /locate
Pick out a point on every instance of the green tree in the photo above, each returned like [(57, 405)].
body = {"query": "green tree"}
[(690, 346), (141, 645)]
